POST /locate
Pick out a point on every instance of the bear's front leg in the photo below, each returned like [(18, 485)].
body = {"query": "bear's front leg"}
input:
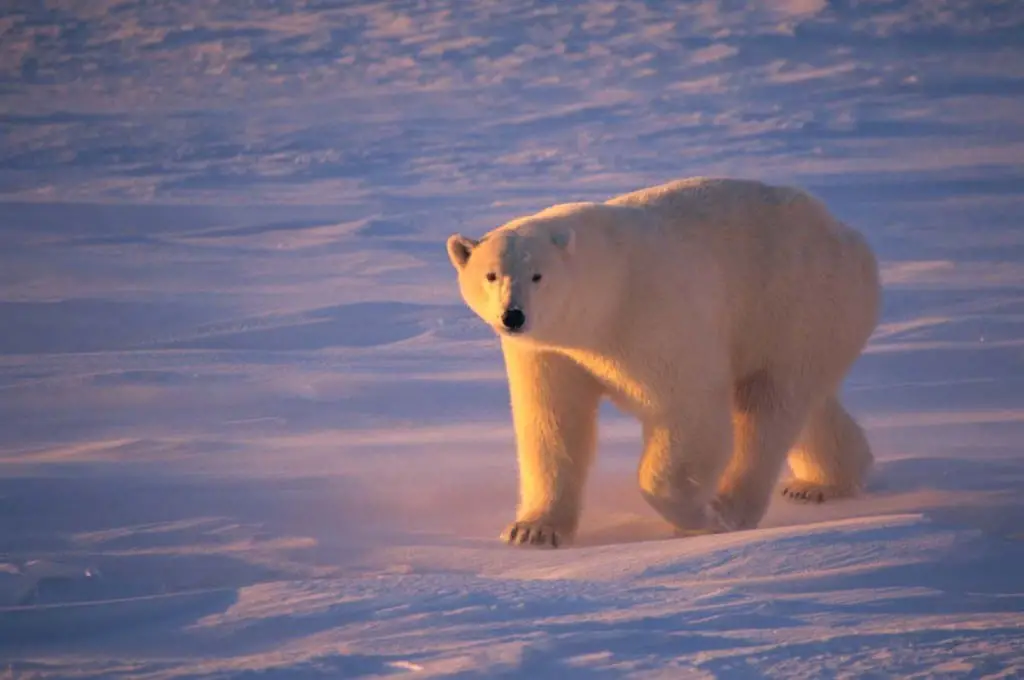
[(554, 409), (685, 452)]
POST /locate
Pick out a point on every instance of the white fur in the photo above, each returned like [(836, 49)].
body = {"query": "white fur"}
[(723, 314)]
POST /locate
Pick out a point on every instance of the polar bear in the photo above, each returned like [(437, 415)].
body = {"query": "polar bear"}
[(722, 313)]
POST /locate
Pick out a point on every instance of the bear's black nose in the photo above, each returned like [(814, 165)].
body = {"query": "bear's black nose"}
[(513, 319)]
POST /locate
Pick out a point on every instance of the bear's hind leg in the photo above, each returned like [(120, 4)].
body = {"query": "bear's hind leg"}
[(832, 457)]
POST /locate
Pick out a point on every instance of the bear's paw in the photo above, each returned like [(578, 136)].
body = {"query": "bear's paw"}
[(532, 534), (800, 491)]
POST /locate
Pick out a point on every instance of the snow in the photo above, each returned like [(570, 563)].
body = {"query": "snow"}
[(247, 427)]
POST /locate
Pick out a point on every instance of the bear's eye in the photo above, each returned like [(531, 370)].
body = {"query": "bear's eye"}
[(536, 278), (491, 276)]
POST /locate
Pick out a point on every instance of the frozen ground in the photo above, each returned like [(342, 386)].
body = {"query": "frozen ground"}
[(247, 429)]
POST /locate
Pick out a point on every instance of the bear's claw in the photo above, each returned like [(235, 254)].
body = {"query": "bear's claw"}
[(524, 533), (807, 492)]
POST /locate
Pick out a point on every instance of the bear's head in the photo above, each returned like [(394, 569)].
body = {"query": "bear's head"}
[(517, 279)]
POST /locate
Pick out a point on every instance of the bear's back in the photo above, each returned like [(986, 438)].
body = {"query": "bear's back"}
[(783, 259), (711, 197)]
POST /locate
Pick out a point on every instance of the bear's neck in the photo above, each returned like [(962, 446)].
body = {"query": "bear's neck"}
[(597, 312)]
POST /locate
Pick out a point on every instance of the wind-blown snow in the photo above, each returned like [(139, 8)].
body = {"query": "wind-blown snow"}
[(248, 427)]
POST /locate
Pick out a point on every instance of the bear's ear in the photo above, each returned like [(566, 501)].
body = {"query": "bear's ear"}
[(459, 249), (564, 239)]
